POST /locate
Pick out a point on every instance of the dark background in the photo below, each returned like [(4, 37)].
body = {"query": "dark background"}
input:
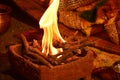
[(19, 17), (18, 13)]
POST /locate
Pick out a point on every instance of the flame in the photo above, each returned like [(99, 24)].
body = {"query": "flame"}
[(49, 24)]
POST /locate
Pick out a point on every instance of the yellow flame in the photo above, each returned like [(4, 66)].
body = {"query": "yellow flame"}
[(49, 24)]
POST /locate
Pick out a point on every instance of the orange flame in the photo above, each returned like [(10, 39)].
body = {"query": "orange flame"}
[(49, 24)]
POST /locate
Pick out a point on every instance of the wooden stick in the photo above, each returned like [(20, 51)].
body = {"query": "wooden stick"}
[(39, 59), (29, 50), (25, 42), (104, 45)]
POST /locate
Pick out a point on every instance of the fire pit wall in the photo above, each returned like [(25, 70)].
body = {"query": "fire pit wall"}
[(75, 70)]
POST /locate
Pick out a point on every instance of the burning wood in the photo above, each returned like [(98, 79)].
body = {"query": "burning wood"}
[(72, 50)]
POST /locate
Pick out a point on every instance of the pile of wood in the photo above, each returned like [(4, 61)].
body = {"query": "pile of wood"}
[(72, 50)]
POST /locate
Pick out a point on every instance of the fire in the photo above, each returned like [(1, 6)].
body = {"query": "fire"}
[(51, 32)]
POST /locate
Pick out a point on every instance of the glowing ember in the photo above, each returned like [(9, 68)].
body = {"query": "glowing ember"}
[(49, 24)]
